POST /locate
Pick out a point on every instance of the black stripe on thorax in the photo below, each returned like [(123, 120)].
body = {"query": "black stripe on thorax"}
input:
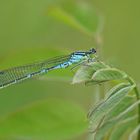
[(79, 53)]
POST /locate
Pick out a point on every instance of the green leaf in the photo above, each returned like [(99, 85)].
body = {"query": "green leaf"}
[(116, 89), (127, 114), (134, 133), (121, 107), (108, 74), (97, 114), (112, 127), (84, 74), (78, 15), (91, 111), (49, 119), (123, 128)]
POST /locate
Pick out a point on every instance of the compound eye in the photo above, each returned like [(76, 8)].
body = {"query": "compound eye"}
[(93, 50)]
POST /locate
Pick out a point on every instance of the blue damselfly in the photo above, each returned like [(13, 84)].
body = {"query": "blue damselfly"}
[(20, 73)]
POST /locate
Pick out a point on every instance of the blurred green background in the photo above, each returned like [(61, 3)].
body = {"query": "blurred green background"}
[(50, 107)]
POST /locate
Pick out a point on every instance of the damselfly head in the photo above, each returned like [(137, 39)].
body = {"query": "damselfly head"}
[(92, 51)]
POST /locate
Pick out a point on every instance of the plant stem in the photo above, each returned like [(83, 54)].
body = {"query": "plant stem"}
[(138, 98)]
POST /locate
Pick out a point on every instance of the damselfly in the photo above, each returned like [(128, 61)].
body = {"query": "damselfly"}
[(20, 73)]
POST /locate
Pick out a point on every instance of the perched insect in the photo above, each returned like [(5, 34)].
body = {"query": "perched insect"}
[(17, 74)]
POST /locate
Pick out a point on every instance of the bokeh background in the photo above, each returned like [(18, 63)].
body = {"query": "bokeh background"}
[(50, 107)]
